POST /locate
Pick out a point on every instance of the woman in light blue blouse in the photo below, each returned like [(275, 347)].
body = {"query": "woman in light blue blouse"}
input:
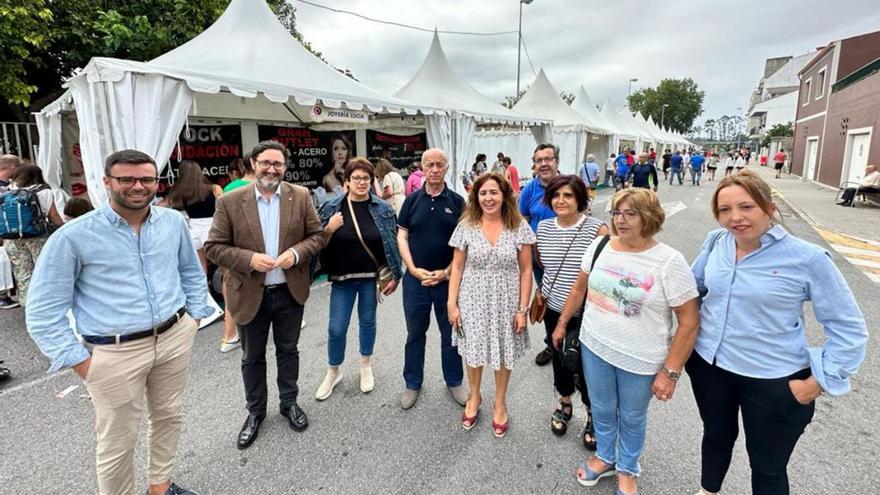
[(751, 354)]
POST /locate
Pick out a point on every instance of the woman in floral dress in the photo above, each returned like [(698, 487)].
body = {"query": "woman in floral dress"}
[(489, 291)]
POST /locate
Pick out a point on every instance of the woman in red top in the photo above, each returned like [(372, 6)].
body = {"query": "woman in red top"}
[(511, 174)]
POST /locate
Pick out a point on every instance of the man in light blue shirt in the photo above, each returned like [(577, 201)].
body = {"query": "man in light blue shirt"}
[(589, 173), (129, 273)]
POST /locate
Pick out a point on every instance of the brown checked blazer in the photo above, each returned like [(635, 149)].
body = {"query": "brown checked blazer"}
[(236, 235)]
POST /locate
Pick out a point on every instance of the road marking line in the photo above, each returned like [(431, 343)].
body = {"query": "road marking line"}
[(865, 263), (673, 208), (865, 253), (36, 382)]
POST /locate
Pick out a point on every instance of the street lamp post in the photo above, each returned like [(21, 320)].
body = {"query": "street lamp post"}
[(631, 81), (663, 114), (519, 44), (738, 121)]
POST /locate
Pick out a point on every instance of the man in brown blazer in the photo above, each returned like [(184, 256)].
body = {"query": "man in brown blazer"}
[(264, 235)]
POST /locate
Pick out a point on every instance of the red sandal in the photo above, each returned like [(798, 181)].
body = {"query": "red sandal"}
[(468, 422)]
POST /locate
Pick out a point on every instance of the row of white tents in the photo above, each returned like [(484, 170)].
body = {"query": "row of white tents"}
[(247, 68)]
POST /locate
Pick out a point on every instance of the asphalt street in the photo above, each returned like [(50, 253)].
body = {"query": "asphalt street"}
[(366, 444)]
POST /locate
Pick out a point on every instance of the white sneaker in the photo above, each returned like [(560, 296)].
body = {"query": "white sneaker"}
[(367, 382), (230, 345), (331, 379)]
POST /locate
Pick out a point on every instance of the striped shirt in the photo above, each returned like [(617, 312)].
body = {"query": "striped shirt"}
[(553, 241)]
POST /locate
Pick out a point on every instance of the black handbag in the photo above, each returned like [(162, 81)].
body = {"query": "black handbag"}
[(571, 345)]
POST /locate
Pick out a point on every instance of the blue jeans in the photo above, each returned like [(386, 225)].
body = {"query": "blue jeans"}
[(619, 401), (417, 302), (696, 173), (342, 296), (673, 173)]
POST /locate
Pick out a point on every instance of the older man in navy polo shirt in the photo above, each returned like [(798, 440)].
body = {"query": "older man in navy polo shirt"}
[(426, 222)]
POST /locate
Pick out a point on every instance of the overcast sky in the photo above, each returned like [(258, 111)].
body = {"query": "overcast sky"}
[(600, 44)]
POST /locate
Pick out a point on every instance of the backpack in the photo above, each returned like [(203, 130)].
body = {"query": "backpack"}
[(21, 216)]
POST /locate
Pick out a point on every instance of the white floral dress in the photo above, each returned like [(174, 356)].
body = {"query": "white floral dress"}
[(489, 296)]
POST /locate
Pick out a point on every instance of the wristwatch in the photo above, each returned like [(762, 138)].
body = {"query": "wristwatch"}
[(672, 374), (523, 310)]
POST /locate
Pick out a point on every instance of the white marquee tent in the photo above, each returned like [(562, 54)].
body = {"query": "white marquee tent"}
[(244, 66), (627, 136), (436, 85), (599, 144), (570, 128)]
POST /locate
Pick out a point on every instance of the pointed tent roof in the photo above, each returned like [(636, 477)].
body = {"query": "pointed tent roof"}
[(627, 118), (653, 132), (584, 106), (543, 101), (248, 51), (626, 131), (437, 85)]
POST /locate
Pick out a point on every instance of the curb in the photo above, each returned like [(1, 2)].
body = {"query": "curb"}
[(799, 212)]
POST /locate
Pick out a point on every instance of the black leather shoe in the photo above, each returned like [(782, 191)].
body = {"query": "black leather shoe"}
[(249, 431), (297, 417), (543, 357)]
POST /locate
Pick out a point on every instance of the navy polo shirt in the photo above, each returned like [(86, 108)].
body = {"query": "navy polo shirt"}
[(430, 222)]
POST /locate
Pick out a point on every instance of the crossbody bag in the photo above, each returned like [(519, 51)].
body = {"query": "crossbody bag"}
[(384, 275)]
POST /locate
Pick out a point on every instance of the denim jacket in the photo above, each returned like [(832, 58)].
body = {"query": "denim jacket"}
[(385, 219)]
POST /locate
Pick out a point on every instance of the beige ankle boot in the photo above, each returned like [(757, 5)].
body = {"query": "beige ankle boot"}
[(367, 382), (331, 379)]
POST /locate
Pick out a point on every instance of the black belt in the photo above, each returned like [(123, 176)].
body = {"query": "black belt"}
[(120, 338), (273, 288)]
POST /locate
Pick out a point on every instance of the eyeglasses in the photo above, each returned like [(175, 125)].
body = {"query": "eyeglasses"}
[(275, 165), (437, 165), (359, 178), (130, 181), (545, 160), (626, 214)]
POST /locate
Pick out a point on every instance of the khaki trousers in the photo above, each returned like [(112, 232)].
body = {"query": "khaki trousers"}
[(119, 378)]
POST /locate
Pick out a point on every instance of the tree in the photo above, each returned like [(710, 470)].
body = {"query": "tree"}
[(683, 97), (44, 42), (778, 130)]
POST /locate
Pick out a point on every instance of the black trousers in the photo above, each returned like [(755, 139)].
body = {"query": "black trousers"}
[(280, 310), (772, 419), (849, 194), (563, 380)]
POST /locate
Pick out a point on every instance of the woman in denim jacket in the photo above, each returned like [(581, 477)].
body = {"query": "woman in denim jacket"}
[(352, 269)]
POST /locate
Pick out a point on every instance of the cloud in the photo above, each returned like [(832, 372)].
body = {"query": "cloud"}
[(722, 46)]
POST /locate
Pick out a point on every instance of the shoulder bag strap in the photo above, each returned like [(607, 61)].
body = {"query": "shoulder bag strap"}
[(357, 230), (564, 256), (596, 254)]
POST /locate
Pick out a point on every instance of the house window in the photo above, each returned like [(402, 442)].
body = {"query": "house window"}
[(806, 96), (820, 84)]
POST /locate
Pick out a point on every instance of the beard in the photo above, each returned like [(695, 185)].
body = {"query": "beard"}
[(269, 183), (123, 199)]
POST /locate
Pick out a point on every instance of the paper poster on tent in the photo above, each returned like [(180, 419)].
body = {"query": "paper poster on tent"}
[(401, 151), (74, 176), (317, 158), (213, 147)]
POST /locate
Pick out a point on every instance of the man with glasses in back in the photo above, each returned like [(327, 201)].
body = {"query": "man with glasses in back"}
[(264, 234), (533, 209), (129, 273), (426, 222)]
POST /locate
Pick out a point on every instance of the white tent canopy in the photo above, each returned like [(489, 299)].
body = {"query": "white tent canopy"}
[(437, 85), (570, 128), (246, 53), (542, 101), (586, 108)]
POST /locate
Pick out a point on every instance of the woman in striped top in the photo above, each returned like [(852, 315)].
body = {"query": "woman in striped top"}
[(562, 242)]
